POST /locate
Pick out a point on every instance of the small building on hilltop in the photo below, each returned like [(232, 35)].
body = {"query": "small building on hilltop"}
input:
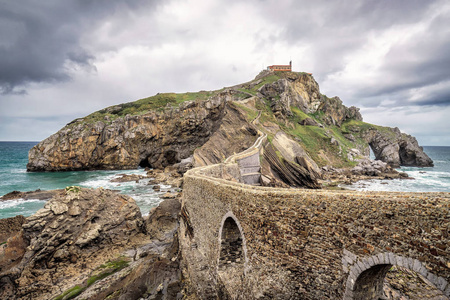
[(287, 68)]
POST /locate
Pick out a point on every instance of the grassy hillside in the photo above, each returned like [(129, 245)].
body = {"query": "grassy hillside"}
[(316, 140), (142, 106)]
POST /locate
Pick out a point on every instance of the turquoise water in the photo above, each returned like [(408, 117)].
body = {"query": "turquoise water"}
[(14, 177)]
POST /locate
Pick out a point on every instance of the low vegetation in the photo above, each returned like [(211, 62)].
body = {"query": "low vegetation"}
[(142, 106), (100, 273)]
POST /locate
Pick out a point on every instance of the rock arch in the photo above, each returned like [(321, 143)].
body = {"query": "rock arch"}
[(366, 276), (232, 245)]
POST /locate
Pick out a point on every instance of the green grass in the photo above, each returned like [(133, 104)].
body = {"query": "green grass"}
[(250, 114), (104, 270), (350, 126), (298, 115), (72, 189), (142, 106), (117, 264), (254, 89), (70, 293)]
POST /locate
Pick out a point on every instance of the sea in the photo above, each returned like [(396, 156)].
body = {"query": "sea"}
[(14, 177)]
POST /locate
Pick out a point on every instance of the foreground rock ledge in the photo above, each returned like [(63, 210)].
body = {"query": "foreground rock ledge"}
[(82, 235)]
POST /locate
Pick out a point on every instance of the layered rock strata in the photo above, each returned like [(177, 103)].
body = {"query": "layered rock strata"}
[(154, 139), (94, 244)]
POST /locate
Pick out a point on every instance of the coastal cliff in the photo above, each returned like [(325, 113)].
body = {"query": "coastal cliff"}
[(91, 244), (206, 127)]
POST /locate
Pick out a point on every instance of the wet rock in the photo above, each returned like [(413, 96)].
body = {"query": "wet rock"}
[(127, 178), (37, 194)]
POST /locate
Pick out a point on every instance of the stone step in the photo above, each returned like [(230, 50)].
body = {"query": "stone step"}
[(250, 169)]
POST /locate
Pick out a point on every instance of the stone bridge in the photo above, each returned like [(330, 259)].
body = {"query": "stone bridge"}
[(251, 242)]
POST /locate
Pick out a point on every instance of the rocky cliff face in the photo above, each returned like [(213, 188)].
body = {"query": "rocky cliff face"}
[(394, 147), (234, 135), (294, 90), (210, 129), (93, 244), (335, 113), (154, 139), (67, 238)]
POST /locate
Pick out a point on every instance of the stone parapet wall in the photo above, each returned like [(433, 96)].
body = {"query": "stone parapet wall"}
[(311, 244)]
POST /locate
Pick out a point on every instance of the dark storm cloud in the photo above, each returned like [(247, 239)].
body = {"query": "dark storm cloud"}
[(40, 41)]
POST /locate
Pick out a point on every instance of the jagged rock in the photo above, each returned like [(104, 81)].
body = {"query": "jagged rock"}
[(298, 90), (293, 152), (37, 194), (163, 219), (334, 142), (127, 177), (396, 148), (290, 172), (308, 122), (349, 137), (155, 273), (335, 113), (234, 135), (75, 229), (369, 167), (154, 139)]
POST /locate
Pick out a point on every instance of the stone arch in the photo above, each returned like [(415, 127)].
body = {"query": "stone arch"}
[(232, 245), (366, 276)]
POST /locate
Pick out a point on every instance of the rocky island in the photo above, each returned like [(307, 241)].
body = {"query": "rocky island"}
[(254, 221), (308, 131)]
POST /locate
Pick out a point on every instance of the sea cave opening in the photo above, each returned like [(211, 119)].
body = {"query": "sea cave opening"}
[(144, 163)]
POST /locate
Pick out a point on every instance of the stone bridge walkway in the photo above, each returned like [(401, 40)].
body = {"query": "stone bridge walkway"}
[(251, 242)]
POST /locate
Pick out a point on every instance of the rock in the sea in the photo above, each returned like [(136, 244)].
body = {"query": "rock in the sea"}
[(127, 177), (37, 194), (396, 148)]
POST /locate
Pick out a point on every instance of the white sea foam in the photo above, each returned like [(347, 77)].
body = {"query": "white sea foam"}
[(18, 202), (424, 181), (140, 191)]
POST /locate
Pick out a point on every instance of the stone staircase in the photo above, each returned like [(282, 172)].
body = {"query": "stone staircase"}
[(248, 160), (250, 169)]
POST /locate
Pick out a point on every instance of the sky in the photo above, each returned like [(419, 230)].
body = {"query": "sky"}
[(61, 60)]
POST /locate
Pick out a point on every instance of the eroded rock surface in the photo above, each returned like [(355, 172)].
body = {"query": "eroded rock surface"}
[(155, 139), (74, 232), (397, 148), (234, 135), (297, 90)]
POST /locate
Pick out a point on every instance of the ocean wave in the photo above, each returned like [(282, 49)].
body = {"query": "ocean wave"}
[(422, 182), (18, 202)]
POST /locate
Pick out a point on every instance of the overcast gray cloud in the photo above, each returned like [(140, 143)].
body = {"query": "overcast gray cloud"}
[(60, 60)]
